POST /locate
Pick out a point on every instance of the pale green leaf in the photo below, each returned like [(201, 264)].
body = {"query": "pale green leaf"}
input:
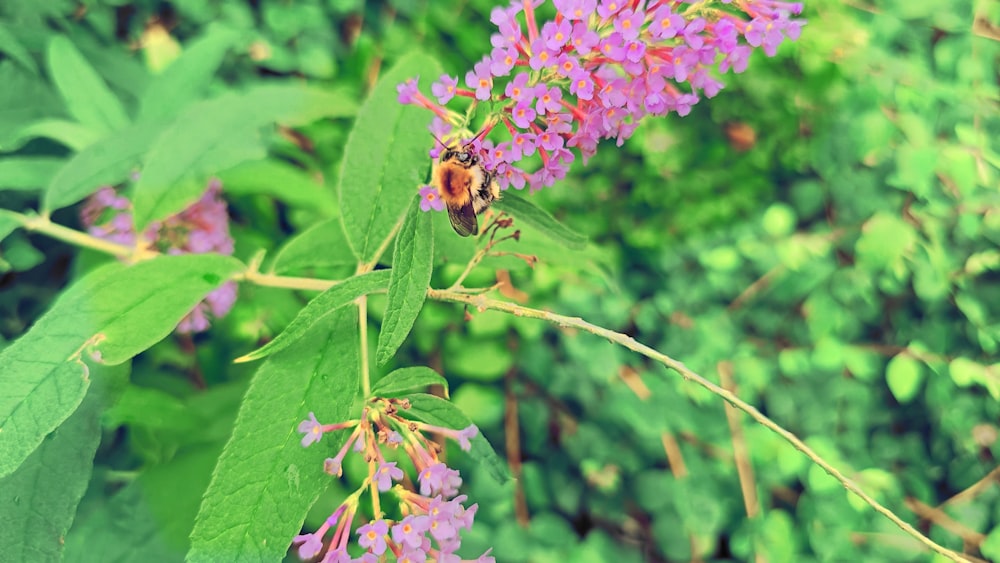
[(188, 76), (523, 210), (109, 161), (407, 380), (321, 247), (904, 374), (439, 412), (27, 172), (114, 312), (385, 159), (283, 182), (322, 306), (265, 480), (412, 265), (87, 96), (38, 501)]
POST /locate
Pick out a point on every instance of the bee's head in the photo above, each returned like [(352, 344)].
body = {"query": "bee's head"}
[(464, 156)]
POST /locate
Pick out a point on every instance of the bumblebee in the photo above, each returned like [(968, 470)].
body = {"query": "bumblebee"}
[(465, 186)]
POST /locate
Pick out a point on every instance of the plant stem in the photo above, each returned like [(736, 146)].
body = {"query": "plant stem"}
[(41, 224), (482, 303)]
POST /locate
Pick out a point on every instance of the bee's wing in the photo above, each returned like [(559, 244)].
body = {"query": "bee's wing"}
[(463, 219)]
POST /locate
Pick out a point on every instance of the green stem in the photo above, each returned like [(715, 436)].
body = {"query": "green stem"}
[(483, 303), (40, 224)]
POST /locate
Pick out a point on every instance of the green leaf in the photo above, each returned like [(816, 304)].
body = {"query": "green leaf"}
[(412, 265), (27, 172), (524, 210), (320, 247), (407, 380), (283, 182), (322, 306), (151, 518), (108, 161), (904, 375), (12, 47), (187, 76), (209, 137), (439, 412), (24, 99), (67, 133), (87, 96), (38, 501), (118, 311), (294, 104), (265, 480), (385, 159)]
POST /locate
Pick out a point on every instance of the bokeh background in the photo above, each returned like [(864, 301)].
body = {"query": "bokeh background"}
[(823, 237)]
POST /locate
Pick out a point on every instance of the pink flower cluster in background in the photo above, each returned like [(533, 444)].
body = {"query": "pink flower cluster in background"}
[(597, 69), (202, 227)]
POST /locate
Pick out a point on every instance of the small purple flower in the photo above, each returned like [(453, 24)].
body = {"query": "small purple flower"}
[(541, 56), (584, 39), (386, 474), (523, 115), (444, 89), (556, 34), (608, 8), (410, 531), (575, 9), (613, 47), (372, 536), (692, 33), (518, 89), (311, 429), (502, 60), (312, 544), (480, 80), (430, 199), (567, 65), (522, 145), (412, 556), (434, 478), (629, 23), (548, 99), (408, 90), (470, 431), (666, 24), (548, 140), (582, 86)]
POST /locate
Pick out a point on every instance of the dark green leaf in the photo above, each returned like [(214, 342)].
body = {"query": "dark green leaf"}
[(265, 480), (188, 76), (320, 247), (87, 96), (24, 99), (412, 265), (10, 46), (322, 306), (439, 412), (108, 161), (407, 380), (39, 500), (385, 159), (523, 210), (27, 172), (116, 311), (151, 518)]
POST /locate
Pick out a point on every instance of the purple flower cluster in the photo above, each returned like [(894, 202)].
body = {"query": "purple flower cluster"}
[(202, 227), (433, 517), (596, 70)]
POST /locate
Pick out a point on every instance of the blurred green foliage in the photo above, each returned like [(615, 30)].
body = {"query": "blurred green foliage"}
[(827, 228)]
